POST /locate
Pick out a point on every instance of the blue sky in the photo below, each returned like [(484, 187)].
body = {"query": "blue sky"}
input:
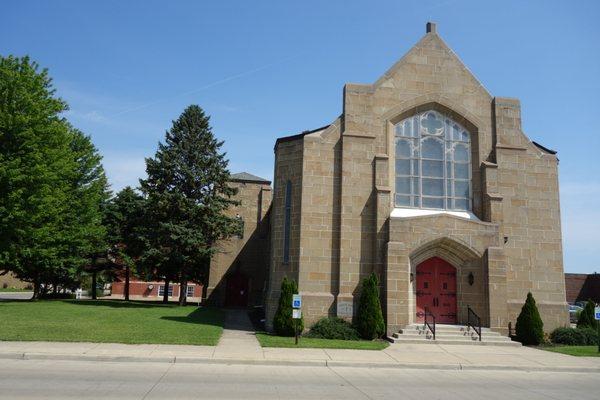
[(265, 69)]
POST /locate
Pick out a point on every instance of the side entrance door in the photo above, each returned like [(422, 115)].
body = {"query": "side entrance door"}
[(236, 294), (436, 290)]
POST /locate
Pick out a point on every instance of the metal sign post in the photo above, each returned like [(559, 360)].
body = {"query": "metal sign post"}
[(597, 318), (296, 313)]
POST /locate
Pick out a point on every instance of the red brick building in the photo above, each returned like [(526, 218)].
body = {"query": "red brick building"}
[(582, 287), (142, 290)]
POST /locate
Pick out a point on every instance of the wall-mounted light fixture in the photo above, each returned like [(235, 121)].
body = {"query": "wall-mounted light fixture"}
[(505, 239), (412, 277), (471, 279)]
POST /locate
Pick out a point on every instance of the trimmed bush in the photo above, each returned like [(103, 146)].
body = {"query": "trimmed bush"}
[(574, 336), (586, 317), (333, 328), (568, 336), (529, 327), (283, 323), (369, 319)]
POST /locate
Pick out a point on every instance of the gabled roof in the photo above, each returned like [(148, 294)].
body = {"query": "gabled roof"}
[(299, 135), (246, 177), (543, 148), (431, 40)]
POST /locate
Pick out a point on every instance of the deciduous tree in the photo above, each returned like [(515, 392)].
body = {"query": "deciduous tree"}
[(124, 220), (52, 184), (35, 167)]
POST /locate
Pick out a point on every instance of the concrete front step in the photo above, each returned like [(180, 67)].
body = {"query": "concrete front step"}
[(446, 328), (449, 331), (484, 336), (457, 342), (450, 334)]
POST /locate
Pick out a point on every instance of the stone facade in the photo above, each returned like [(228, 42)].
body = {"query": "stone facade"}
[(343, 221), (246, 256)]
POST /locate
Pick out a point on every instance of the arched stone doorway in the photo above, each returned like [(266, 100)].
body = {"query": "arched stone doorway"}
[(460, 260), (436, 290)]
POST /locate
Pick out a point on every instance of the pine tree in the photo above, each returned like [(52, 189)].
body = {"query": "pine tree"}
[(369, 318), (187, 193), (35, 168), (283, 323), (124, 221), (530, 327), (586, 317)]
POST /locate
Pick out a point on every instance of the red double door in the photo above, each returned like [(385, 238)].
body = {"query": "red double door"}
[(436, 290)]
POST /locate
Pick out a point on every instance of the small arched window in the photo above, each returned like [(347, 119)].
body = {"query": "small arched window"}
[(433, 163)]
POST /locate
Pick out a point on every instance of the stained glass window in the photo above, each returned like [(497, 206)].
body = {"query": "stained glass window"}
[(433, 163)]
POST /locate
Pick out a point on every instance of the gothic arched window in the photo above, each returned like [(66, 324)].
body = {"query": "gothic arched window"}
[(433, 163)]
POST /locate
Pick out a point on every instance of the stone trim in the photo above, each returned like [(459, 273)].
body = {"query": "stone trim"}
[(383, 189), (510, 147), (487, 164), (358, 135), (450, 249)]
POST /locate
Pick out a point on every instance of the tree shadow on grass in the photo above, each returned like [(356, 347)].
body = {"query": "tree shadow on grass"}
[(122, 303), (205, 316)]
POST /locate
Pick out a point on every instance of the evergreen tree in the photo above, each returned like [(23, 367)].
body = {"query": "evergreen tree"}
[(369, 318), (187, 193), (586, 317), (283, 323), (124, 221), (35, 168), (529, 328)]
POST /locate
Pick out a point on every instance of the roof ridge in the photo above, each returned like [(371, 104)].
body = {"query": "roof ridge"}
[(247, 177)]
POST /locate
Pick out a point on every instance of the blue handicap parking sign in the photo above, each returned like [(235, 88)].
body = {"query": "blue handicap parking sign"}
[(297, 301)]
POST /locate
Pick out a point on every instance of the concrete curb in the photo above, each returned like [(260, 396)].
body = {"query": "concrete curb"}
[(296, 363)]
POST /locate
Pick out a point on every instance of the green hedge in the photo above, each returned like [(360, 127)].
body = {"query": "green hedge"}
[(333, 328), (574, 336)]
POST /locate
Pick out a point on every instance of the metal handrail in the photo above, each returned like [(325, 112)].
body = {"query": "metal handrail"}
[(427, 325), (477, 326)]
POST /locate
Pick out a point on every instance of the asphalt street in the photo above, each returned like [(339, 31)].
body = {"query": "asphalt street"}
[(36, 379)]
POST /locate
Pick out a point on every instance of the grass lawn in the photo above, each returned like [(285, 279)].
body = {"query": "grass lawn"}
[(109, 321), (579, 351), (267, 340), (8, 290)]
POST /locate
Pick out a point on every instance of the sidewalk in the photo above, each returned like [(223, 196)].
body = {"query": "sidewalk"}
[(429, 356)]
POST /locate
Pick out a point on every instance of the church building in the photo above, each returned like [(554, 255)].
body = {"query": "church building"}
[(425, 179)]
